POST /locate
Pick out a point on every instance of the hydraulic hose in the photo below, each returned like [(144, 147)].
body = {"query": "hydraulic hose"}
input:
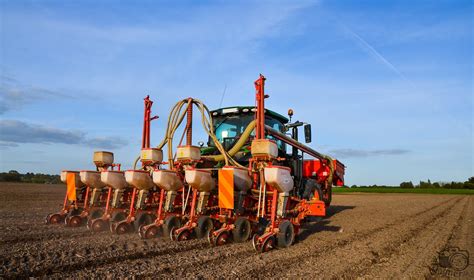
[(177, 115), (175, 119), (237, 146)]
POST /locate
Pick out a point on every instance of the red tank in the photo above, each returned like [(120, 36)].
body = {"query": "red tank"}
[(314, 169)]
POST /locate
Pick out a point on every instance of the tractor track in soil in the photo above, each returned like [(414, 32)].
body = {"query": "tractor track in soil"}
[(364, 235), (324, 251), (432, 242), (210, 257), (379, 254), (249, 252)]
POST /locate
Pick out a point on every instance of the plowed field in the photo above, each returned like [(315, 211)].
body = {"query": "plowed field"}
[(363, 235)]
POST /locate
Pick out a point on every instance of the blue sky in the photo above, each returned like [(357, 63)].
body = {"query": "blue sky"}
[(386, 85)]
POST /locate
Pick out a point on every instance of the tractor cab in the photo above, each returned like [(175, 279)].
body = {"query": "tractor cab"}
[(230, 125)]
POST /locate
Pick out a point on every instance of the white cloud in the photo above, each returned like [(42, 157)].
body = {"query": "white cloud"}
[(13, 132), (14, 94)]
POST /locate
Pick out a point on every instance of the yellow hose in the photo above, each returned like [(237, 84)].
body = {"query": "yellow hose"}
[(175, 119), (331, 169), (240, 143)]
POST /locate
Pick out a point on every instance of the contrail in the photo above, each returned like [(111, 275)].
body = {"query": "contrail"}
[(375, 54)]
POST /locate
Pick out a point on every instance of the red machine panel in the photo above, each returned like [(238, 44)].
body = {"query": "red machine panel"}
[(314, 169)]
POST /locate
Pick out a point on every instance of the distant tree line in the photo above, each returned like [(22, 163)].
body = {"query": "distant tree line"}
[(469, 184), (37, 178)]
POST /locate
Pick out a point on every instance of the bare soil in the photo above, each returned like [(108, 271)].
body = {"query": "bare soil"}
[(363, 236)]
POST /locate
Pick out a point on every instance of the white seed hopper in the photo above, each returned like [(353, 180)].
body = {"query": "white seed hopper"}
[(114, 179), (139, 179), (200, 179), (167, 180)]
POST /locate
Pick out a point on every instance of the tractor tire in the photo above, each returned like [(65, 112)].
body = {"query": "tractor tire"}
[(169, 223), (286, 234), (143, 219), (327, 197), (309, 187), (204, 225), (242, 230)]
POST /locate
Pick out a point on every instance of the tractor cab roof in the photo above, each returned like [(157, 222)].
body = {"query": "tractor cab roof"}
[(236, 110)]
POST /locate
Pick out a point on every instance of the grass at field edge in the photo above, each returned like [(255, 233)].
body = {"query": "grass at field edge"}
[(400, 190)]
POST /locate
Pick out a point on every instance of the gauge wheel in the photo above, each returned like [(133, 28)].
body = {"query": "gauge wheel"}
[(242, 230), (286, 234), (204, 225)]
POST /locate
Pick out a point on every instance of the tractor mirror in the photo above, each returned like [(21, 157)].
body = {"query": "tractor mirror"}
[(307, 133)]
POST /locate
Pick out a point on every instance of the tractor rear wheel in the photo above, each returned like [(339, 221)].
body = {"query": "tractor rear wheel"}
[(286, 234), (204, 225), (242, 230), (309, 187), (327, 196)]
